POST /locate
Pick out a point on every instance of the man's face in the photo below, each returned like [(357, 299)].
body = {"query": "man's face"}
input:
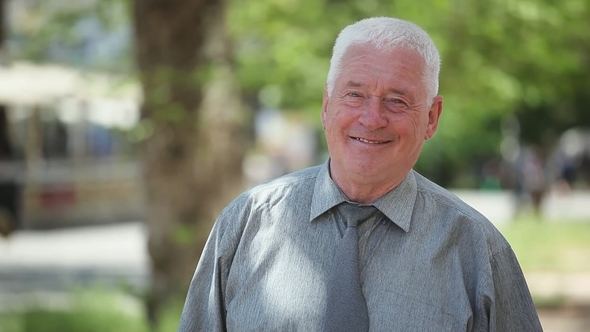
[(378, 116)]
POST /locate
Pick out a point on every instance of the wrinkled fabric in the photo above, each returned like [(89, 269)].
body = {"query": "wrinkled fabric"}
[(430, 263)]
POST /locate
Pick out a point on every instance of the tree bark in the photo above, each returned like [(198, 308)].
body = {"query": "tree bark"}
[(193, 152)]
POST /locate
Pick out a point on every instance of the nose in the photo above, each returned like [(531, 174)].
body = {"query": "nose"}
[(373, 115)]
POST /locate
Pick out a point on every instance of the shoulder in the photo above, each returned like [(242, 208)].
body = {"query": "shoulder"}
[(254, 205), (459, 215), (444, 199)]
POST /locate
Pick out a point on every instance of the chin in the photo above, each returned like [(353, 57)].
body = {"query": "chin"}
[(366, 170)]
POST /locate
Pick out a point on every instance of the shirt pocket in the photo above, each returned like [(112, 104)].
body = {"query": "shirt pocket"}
[(397, 312)]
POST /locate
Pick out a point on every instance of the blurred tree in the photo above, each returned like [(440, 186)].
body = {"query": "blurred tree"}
[(528, 58), (92, 34), (194, 139)]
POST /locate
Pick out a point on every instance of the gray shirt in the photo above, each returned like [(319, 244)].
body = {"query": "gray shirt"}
[(429, 262)]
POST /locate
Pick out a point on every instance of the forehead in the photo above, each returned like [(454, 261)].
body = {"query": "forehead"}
[(365, 63)]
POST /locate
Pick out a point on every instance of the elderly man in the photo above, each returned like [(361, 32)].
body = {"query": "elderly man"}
[(362, 242)]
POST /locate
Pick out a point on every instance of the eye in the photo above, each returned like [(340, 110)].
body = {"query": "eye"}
[(395, 104), (353, 98), (395, 101)]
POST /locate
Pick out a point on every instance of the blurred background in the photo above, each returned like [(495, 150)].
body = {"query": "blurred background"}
[(127, 125)]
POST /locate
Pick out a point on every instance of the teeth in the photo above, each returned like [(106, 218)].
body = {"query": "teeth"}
[(367, 141)]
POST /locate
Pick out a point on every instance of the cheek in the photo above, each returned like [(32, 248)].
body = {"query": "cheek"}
[(332, 120), (418, 124), (328, 115), (408, 127), (327, 121)]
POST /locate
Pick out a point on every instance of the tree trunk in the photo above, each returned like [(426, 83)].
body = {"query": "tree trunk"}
[(193, 151)]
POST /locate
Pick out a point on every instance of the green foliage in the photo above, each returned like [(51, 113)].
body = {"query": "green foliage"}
[(499, 58), (170, 316), (528, 58), (184, 234), (96, 310), (284, 44)]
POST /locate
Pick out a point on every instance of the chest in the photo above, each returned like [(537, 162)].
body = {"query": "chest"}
[(277, 281)]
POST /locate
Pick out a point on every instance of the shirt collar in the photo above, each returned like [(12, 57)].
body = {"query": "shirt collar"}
[(397, 205), (326, 194)]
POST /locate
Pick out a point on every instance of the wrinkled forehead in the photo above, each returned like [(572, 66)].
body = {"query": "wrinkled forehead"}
[(400, 62), (405, 54), (399, 69)]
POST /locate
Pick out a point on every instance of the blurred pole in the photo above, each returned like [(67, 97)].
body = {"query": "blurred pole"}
[(33, 157), (34, 143)]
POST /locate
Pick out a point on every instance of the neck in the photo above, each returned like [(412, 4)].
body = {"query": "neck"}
[(363, 191)]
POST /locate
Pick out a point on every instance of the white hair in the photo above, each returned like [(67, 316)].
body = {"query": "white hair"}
[(387, 34)]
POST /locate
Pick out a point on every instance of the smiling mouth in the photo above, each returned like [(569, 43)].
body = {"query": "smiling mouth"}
[(364, 140)]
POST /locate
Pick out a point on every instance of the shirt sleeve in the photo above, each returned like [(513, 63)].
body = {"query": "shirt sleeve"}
[(204, 308), (511, 308)]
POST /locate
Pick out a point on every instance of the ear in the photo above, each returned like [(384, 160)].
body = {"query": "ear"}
[(325, 102), (433, 117)]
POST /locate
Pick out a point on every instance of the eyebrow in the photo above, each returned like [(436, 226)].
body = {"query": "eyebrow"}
[(354, 84), (399, 92)]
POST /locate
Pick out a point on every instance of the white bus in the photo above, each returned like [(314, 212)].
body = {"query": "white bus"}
[(71, 162)]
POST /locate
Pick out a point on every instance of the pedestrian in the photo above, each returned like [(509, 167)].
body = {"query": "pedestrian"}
[(284, 255)]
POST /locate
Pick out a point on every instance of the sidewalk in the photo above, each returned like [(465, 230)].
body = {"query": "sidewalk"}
[(570, 287), (498, 206), (56, 260)]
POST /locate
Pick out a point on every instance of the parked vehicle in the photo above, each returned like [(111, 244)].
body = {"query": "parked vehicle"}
[(72, 163)]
